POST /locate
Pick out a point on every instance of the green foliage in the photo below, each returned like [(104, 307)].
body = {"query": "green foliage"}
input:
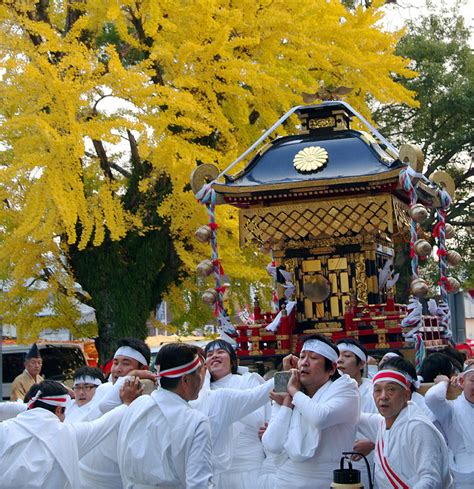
[(438, 45)]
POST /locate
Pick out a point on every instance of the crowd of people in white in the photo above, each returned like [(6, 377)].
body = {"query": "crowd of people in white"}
[(212, 424)]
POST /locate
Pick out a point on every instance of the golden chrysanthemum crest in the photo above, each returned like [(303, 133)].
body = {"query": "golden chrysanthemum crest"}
[(310, 159)]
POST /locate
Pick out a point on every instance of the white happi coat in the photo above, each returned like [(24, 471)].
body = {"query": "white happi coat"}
[(314, 434), (247, 451), (164, 443), (38, 451), (457, 421), (99, 468), (224, 407), (412, 454), (367, 405), (9, 410)]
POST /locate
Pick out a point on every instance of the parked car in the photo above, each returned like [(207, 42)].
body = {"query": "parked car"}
[(60, 361)]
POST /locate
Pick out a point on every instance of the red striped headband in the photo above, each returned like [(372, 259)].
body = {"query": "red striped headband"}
[(179, 371), (391, 376), (60, 400)]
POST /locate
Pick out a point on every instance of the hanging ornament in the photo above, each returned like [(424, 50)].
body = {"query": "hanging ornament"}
[(449, 232), (419, 287), (453, 258), (413, 155), (418, 213), (205, 268), (422, 247), (203, 234), (445, 181), (453, 285), (207, 196), (210, 297)]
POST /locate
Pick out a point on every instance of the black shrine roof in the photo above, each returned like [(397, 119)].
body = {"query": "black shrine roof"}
[(352, 157)]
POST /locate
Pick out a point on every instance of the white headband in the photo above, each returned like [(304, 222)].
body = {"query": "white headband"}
[(127, 351), (321, 348), (86, 379), (60, 400), (354, 349), (469, 368), (390, 354)]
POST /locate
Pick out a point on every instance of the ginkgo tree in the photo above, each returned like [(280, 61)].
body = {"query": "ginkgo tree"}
[(107, 106)]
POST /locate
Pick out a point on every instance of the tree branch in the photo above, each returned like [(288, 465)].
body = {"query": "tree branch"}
[(80, 296), (112, 165), (104, 161)]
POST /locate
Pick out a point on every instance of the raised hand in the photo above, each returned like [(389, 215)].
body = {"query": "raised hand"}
[(131, 389)]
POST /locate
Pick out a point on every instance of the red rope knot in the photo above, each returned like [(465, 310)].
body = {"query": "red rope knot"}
[(213, 225), (441, 252)]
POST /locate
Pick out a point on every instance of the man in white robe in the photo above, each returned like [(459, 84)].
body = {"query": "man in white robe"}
[(99, 468), (10, 409), (352, 361), (163, 442), (84, 406), (315, 421), (410, 452), (247, 451), (457, 420), (37, 450)]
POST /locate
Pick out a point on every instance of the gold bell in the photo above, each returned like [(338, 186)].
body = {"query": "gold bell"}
[(205, 268), (453, 258), (422, 247), (449, 231), (203, 234), (419, 287), (418, 213), (210, 297), (454, 285)]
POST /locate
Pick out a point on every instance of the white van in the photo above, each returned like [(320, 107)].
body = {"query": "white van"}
[(60, 361)]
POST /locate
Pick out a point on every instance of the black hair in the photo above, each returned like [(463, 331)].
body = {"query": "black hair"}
[(328, 364), (404, 366), (138, 345), (224, 345), (434, 365), (86, 371), (47, 388), (352, 341), (173, 355), (456, 358)]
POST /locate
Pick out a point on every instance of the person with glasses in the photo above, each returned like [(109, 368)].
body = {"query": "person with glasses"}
[(38, 450), (85, 383)]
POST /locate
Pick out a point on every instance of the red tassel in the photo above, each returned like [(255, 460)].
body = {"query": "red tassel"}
[(213, 225), (441, 252)]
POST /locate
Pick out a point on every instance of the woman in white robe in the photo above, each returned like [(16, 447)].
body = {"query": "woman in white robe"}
[(315, 421), (457, 420), (247, 450)]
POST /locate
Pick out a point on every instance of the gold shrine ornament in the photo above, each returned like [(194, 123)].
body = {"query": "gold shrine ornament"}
[(310, 159)]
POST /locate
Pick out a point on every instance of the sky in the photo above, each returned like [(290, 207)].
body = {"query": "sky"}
[(403, 10)]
